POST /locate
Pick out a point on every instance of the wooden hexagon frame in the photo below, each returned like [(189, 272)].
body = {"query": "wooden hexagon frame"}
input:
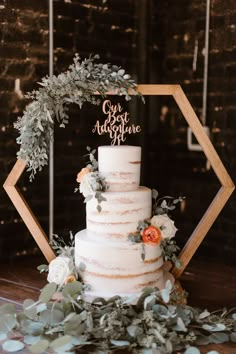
[(208, 218)]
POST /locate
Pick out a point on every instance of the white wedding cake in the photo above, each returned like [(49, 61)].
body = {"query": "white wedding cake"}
[(105, 258)]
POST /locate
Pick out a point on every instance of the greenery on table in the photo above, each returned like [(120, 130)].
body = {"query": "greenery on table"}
[(151, 326), (50, 104)]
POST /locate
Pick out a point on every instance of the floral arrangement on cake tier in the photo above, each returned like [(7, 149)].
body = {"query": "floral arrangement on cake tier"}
[(159, 229), (62, 322), (91, 183)]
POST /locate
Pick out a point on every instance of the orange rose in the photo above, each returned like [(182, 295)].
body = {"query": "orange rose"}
[(151, 235), (82, 173), (70, 279)]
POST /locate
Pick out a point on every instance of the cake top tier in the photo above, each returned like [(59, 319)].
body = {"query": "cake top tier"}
[(120, 165)]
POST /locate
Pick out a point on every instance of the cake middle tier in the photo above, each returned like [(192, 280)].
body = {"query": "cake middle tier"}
[(120, 215)]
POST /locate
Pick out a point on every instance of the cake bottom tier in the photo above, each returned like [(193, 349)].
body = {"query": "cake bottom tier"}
[(117, 268)]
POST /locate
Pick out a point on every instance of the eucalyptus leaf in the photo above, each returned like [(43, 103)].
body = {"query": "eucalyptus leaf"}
[(30, 309), (132, 299), (134, 330), (82, 267), (218, 327), (47, 292), (99, 208), (3, 336), (32, 328), (72, 290), (51, 317), (88, 198), (233, 337), (160, 310), (218, 338), (64, 349), (7, 322), (180, 326), (159, 337), (61, 341), (31, 339), (74, 327), (43, 268), (69, 316), (165, 293), (41, 307), (7, 308), (149, 302), (146, 292), (99, 300), (12, 346), (154, 193), (40, 346), (192, 350), (120, 343)]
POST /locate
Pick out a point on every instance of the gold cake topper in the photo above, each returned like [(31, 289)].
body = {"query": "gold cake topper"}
[(115, 124)]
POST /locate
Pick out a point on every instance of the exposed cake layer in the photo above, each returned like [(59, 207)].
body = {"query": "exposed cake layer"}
[(117, 267), (120, 165), (120, 214)]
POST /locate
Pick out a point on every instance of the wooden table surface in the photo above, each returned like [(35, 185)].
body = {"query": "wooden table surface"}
[(209, 285)]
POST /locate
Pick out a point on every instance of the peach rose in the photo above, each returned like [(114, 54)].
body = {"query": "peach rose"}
[(82, 173), (151, 235)]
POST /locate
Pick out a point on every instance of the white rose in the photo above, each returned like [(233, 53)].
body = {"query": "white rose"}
[(59, 269), (85, 186), (165, 224)]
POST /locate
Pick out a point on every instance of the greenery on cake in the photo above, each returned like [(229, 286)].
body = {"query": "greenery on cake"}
[(159, 229), (91, 183), (49, 104)]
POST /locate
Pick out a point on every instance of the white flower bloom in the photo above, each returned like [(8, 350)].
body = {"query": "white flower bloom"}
[(59, 269), (165, 224), (85, 186)]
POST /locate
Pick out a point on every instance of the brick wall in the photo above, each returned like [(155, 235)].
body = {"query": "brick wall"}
[(182, 25), (159, 52), (23, 56)]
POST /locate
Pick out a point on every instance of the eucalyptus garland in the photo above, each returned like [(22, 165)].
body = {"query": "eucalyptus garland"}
[(50, 103), (68, 323)]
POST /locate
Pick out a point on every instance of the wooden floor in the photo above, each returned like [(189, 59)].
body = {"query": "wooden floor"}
[(209, 286)]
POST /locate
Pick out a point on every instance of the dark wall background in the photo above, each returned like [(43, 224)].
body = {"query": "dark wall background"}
[(154, 41)]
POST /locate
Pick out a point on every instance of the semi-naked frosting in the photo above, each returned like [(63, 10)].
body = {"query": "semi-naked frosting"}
[(112, 265), (120, 165), (117, 267), (120, 215)]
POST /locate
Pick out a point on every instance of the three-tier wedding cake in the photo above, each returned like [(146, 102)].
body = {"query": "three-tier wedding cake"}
[(111, 263)]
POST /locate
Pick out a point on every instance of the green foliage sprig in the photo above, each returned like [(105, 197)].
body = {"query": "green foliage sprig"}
[(50, 104), (165, 204)]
